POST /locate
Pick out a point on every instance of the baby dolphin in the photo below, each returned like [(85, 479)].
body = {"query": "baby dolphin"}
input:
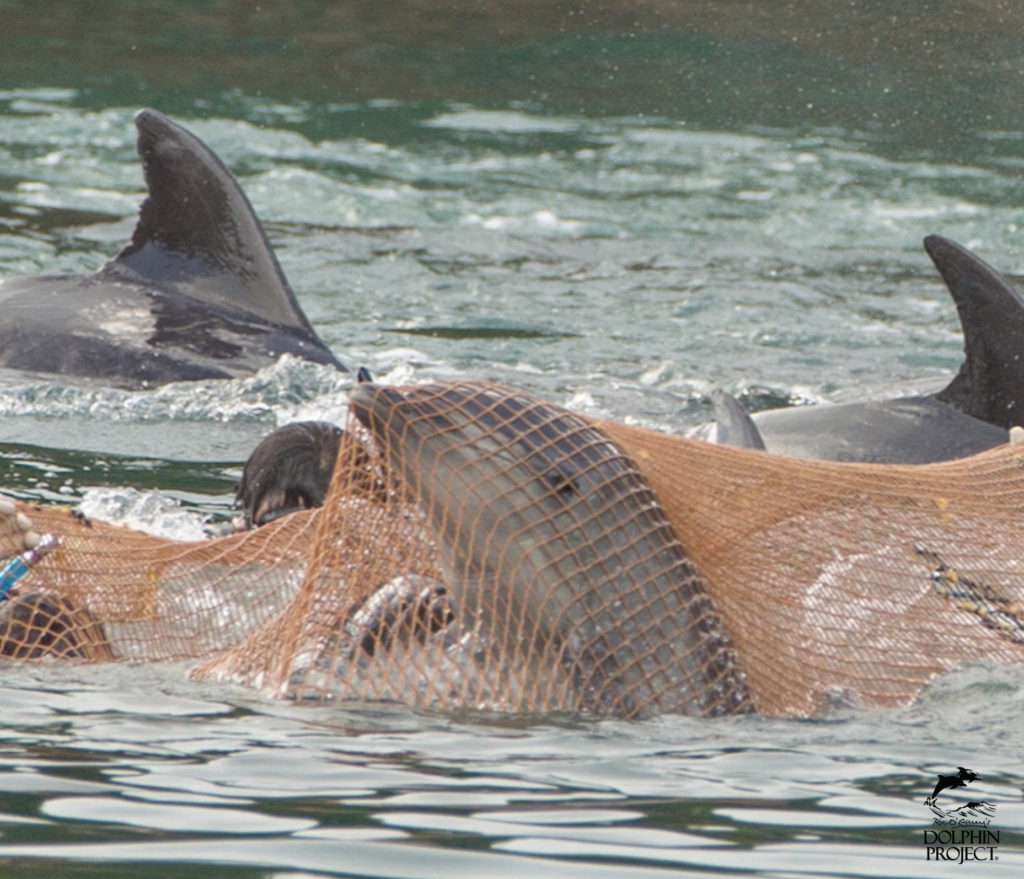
[(555, 549), (196, 294)]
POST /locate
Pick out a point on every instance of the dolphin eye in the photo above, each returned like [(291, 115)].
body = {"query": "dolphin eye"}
[(562, 480)]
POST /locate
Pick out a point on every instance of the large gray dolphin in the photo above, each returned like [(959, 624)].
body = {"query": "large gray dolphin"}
[(556, 554), (972, 413), (197, 294)]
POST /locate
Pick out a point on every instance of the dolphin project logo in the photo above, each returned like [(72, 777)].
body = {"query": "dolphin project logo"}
[(961, 830)]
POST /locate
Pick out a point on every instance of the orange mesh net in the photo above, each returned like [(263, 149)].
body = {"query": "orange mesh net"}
[(498, 552)]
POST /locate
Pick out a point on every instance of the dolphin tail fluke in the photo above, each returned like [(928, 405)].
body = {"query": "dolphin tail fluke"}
[(733, 424), (990, 383)]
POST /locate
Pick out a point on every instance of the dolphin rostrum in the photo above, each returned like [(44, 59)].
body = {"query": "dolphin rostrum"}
[(556, 553), (971, 414), (196, 294)]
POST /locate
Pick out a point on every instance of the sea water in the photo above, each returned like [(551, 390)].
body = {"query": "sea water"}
[(619, 263)]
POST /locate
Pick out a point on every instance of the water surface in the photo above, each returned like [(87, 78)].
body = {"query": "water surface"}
[(618, 213)]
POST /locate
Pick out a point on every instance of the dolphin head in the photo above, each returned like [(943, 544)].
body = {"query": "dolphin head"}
[(553, 542), (289, 470), (444, 440)]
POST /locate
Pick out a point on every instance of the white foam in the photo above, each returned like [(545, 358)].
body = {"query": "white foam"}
[(145, 511)]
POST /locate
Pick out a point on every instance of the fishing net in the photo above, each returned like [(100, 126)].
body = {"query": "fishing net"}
[(480, 548)]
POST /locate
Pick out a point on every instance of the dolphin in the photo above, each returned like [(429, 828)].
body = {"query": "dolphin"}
[(556, 554), (972, 413), (906, 430), (196, 294), (34, 625), (289, 470)]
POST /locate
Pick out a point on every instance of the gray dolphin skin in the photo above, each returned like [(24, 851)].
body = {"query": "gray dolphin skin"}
[(196, 294), (971, 414), (906, 430), (733, 424), (549, 535), (990, 383)]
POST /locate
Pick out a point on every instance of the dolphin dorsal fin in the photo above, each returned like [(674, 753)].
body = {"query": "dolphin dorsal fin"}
[(990, 383), (197, 227), (733, 424)]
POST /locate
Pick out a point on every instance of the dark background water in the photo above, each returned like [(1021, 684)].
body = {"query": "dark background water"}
[(913, 77), (617, 205)]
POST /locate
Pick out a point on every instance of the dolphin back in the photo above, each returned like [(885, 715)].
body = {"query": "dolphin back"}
[(733, 424)]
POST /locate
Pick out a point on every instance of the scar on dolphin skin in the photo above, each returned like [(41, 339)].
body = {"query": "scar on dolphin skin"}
[(995, 611)]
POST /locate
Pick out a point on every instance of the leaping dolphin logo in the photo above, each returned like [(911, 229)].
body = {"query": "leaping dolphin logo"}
[(961, 779)]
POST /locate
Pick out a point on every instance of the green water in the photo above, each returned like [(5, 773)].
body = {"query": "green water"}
[(618, 206)]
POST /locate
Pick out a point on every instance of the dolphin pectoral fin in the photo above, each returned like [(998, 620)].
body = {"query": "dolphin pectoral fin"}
[(733, 424), (410, 607), (199, 239), (990, 383)]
